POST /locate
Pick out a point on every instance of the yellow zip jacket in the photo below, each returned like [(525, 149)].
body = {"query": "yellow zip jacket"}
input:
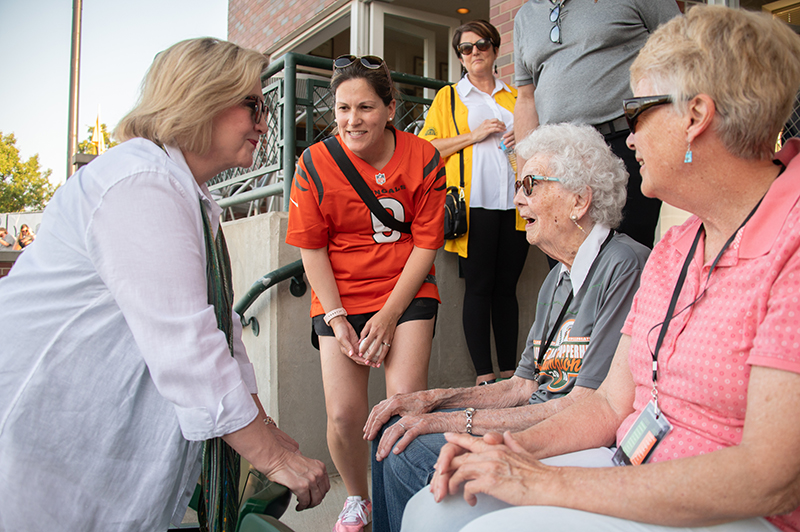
[(439, 125)]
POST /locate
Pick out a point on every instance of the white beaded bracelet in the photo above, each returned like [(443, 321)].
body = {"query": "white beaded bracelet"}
[(335, 313), (269, 421)]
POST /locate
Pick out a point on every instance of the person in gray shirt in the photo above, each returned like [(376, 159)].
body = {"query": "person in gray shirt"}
[(571, 194), (7, 240), (571, 65)]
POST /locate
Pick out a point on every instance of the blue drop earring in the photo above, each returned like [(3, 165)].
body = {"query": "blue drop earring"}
[(688, 157)]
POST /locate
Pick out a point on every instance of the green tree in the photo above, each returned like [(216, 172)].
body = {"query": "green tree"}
[(23, 185), (87, 146)]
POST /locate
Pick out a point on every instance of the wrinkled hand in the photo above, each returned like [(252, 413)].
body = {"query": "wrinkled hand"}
[(400, 404), (346, 336), (453, 453), (488, 127), (499, 467), (286, 441), (376, 338), (305, 477), (409, 427)]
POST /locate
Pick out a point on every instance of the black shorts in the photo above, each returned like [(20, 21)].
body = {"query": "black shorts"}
[(421, 308)]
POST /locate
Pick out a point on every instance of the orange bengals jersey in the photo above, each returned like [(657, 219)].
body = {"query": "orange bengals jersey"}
[(366, 256)]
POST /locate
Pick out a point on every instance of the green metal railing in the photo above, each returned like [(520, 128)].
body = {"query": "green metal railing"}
[(293, 271), (300, 107)]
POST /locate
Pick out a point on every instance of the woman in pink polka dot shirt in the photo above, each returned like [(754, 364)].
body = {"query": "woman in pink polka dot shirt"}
[(718, 309)]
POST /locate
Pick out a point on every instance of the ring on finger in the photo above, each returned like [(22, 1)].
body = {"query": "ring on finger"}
[(404, 427), (386, 344)]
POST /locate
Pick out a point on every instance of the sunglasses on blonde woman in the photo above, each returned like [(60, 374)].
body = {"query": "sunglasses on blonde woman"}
[(634, 107), (527, 182)]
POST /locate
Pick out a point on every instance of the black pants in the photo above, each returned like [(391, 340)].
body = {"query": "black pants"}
[(640, 215), (495, 258)]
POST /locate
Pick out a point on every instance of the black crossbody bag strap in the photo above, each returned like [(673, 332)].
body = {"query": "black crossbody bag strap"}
[(352, 175), (461, 151)]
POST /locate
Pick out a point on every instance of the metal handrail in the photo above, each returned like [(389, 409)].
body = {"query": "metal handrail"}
[(293, 271)]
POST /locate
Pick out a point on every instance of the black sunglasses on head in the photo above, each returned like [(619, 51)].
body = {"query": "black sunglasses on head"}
[(258, 108), (372, 62), (465, 48), (633, 107)]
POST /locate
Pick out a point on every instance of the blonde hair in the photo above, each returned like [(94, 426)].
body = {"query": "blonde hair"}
[(187, 85), (746, 62)]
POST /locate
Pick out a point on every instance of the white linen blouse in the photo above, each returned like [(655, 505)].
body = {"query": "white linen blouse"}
[(115, 371)]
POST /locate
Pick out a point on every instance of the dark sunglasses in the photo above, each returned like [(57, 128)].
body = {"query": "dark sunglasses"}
[(258, 108), (465, 48), (527, 183), (555, 18), (633, 107), (372, 62)]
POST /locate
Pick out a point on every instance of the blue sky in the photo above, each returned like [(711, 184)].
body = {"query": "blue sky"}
[(119, 40)]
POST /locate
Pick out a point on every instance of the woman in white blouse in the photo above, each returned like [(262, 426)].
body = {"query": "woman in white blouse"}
[(468, 123), (120, 367)]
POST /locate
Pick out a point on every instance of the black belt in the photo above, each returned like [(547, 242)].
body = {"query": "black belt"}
[(612, 126)]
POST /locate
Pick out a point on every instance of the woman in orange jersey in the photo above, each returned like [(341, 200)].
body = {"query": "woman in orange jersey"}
[(374, 299)]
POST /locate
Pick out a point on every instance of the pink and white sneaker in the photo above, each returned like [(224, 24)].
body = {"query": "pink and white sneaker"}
[(355, 515)]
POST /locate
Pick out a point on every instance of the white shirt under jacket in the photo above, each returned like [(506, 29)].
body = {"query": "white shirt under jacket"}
[(115, 370)]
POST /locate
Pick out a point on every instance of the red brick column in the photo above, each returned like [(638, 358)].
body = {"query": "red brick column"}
[(5, 267), (501, 15)]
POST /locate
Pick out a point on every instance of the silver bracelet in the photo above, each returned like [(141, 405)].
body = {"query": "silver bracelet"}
[(469, 412)]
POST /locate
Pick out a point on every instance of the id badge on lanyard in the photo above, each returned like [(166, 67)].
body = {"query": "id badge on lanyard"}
[(652, 426), (643, 437)]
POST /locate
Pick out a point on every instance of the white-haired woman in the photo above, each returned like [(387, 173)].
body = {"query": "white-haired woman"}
[(571, 195), (129, 355), (705, 384)]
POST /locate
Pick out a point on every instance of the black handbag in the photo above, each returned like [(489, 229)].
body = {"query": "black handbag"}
[(455, 208)]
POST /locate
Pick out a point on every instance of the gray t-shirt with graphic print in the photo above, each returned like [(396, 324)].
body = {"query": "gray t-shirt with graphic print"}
[(585, 341)]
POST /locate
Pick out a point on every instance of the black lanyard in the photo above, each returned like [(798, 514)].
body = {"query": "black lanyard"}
[(679, 285), (545, 345)]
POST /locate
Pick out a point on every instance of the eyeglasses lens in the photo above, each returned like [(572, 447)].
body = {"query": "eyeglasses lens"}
[(465, 48), (634, 107), (526, 183), (555, 18)]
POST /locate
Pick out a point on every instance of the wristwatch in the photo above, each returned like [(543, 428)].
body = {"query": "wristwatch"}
[(469, 412)]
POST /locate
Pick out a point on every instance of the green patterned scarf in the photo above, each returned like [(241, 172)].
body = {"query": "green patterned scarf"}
[(218, 510)]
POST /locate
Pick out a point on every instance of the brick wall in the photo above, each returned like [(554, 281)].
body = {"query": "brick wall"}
[(5, 267), (259, 24), (501, 15)]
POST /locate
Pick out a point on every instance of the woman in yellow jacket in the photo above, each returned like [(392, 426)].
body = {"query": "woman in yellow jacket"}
[(476, 115)]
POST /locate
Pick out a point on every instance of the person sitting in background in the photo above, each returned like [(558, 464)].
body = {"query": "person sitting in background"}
[(491, 254), (26, 237), (571, 194), (709, 361), (127, 364), (6, 239)]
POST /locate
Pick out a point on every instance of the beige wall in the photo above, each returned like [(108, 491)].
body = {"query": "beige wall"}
[(287, 366)]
